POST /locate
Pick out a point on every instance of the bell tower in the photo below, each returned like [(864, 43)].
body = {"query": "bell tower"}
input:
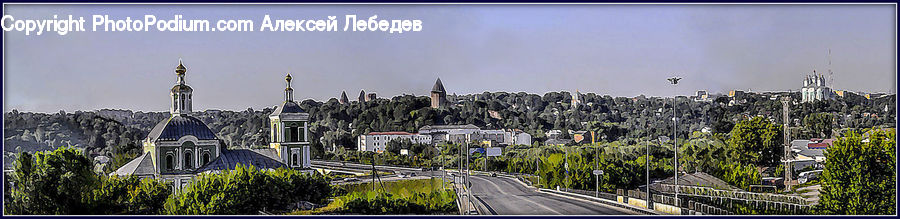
[(181, 93)]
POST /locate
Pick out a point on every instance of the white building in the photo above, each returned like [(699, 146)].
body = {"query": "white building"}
[(457, 134), (815, 88), (377, 141)]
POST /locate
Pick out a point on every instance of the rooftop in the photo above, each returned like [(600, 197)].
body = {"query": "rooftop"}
[(181, 125)]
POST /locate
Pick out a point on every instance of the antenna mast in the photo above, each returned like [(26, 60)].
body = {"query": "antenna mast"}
[(830, 73)]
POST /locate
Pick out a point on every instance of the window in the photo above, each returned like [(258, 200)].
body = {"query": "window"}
[(301, 134), (182, 103), (170, 162), (187, 160), (294, 159), (205, 158)]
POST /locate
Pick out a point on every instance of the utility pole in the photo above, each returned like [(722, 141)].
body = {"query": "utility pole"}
[(648, 172), (674, 81), (597, 166), (567, 167), (537, 165), (788, 171), (468, 191)]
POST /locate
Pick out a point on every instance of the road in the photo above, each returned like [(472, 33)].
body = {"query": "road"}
[(507, 196)]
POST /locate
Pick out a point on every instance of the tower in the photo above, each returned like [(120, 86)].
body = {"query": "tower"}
[(288, 130), (344, 99), (288, 92), (181, 93), (362, 96), (787, 157), (438, 95), (577, 99)]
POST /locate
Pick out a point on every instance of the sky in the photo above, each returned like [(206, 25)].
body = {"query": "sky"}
[(617, 50)]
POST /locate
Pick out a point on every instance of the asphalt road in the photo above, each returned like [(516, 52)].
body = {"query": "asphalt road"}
[(506, 196)]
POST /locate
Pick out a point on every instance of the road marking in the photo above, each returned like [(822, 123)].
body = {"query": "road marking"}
[(594, 201), (543, 206), (492, 183), (522, 198)]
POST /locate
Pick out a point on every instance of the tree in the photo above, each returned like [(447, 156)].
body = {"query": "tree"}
[(130, 195), (756, 141), (859, 177), (819, 124), (248, 190), (57, 182)]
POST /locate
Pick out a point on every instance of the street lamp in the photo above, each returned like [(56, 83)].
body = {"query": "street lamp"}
[(674, 81)]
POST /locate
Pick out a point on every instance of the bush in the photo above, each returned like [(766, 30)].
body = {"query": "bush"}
[(130, 195), (247, 190)]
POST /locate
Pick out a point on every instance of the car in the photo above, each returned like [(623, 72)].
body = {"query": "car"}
[(809, 176), (402, 175), (426, 169), (493, 174), (412, 174), (351, 179)]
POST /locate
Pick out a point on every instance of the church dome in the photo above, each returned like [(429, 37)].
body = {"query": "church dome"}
[(288, 107), (178, 126), (180, 69)]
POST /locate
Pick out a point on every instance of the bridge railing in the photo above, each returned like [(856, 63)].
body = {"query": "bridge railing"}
[(707, 191)]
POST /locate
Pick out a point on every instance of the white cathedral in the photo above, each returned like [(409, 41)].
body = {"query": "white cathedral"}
[(180, 147), (815, 89)]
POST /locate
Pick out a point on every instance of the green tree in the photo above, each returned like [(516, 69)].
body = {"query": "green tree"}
[(57, 182), (859, 177), (248, 190), (130, 195), (756, 141), (819, 124)]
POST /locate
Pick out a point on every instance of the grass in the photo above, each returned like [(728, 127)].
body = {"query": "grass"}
[(422, 196)]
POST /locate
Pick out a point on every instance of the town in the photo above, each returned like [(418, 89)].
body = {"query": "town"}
[(494, 153)]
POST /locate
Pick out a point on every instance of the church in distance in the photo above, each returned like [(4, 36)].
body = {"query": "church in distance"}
[(180, 147)]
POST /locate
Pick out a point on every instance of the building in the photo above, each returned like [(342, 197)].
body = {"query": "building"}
[(809, 153), (371, 97), (815, 89), (577, 99), (458, 134), (289, 131), (344, 99), (702, 95), (377, 141), (438, 95), (181, 146)]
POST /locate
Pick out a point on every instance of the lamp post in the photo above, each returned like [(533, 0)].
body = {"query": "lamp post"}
[(468, 191), (648, 172), (674, 81)]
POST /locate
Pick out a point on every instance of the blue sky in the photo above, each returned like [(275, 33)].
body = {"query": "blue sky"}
[(619, 50)]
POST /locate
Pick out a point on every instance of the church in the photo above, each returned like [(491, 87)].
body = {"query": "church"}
[(180, 147)]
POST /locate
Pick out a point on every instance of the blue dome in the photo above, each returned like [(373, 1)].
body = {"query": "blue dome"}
[(288, 107), (178, 126)]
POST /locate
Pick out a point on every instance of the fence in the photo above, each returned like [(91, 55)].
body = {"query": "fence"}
[(706, 191)]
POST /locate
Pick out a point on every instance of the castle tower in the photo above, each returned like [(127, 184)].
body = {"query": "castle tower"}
[(362, 96), (181, 93), (344, 99), (438, 95)]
